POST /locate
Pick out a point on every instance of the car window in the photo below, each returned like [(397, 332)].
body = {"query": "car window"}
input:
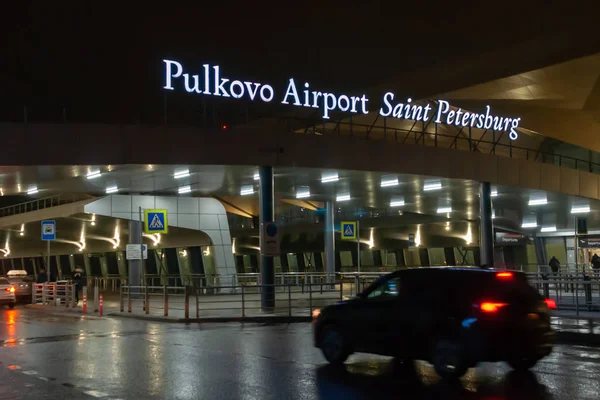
[(388, 288)]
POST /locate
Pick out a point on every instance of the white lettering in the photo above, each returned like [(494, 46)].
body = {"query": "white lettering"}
[(488, 118), (386, 102), (364, 101), (169, 74), (291, 91), (513, 135), (265, 98), (443, 108), (219, 82), (329, 104), (354, 101), (346, 100), (465, 119), (306, 95), (250, 91), (206, 78), (236, 84), (196, 88), (426, 112)]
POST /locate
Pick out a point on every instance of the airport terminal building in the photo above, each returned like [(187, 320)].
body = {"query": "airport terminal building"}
[(492, 172)]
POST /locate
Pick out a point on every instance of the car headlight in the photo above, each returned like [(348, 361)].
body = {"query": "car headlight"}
[(316, 312)]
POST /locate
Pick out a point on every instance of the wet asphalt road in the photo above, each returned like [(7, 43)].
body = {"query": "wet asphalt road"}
[(46, 356)]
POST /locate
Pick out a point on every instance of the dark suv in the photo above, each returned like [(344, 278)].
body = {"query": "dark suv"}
[(451, 317)]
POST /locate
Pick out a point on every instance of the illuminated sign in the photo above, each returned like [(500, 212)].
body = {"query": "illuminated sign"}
[(211, 82)]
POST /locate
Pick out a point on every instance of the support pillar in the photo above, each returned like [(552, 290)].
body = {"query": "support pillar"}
[(135, 266), (267, 214), (486, 228), (329, 241)]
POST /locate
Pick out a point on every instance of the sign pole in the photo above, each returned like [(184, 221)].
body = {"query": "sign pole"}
[(142, 271), (49, 269), (358, 245)]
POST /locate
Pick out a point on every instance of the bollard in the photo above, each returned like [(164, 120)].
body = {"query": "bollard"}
[(146, 300), (101, 305), (243, 304), (96, 293), (310, 300), (128, 298), (290, 301), (197, 303), (84, 303), (166, 304), (341, 290), (187, 302), (121, 300)]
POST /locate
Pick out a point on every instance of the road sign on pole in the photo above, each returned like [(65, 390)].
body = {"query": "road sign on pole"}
[(155, 221), (270, 247), (132, 252), (348, 230), (48, 230)]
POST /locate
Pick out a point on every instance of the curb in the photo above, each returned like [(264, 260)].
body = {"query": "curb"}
[(574, 338), (257, 319), (74, 312)]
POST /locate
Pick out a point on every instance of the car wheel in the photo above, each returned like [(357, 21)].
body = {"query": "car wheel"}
[(334, 346), (449, 359), (11, 305), (523, 363)]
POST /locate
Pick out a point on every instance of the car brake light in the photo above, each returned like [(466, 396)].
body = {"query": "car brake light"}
[(491, 307), (504, 275), (550, 303), (10, 289)]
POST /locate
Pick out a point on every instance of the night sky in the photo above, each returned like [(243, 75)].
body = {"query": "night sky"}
[(102, 64)]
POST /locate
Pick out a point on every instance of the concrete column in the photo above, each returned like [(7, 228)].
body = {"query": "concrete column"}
[(330, 240), (135, 266), (486, 228), (267, 214)]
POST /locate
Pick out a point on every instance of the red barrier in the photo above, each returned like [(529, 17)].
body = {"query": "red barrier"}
[(101, 307), (85, 303)]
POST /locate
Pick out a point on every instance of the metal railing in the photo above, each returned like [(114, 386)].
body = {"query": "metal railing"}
[(56, 294), (41, 204), (463, 140), (231, 301)]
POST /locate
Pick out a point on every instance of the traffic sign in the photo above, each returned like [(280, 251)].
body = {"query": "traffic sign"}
[(411, 240), (270, 246), (155, 221), (132, 252), (348, 230), (48, 230)]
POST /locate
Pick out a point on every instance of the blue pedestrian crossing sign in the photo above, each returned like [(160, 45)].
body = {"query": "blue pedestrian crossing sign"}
[(155, 221), (48, 230), (348, 230)]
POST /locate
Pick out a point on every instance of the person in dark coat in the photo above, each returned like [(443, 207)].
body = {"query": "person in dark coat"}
[(596, 262), (42, 276), (77, 278), (554, 265)]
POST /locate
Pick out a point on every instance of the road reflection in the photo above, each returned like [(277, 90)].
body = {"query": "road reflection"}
[(389, 380)]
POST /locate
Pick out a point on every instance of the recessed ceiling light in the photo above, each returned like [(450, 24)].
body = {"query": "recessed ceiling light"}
[(181, 174), (185, 189), (529, 225), (112, 189), (303, 192), (442, 210), (93, 174), (330, 177), (387, 182), (343, 197), (494, 192), (256, 176), (32, 190), (580, 209), (397, 202), (548, 228), (435, 185), (246, 190), (538, 202)]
